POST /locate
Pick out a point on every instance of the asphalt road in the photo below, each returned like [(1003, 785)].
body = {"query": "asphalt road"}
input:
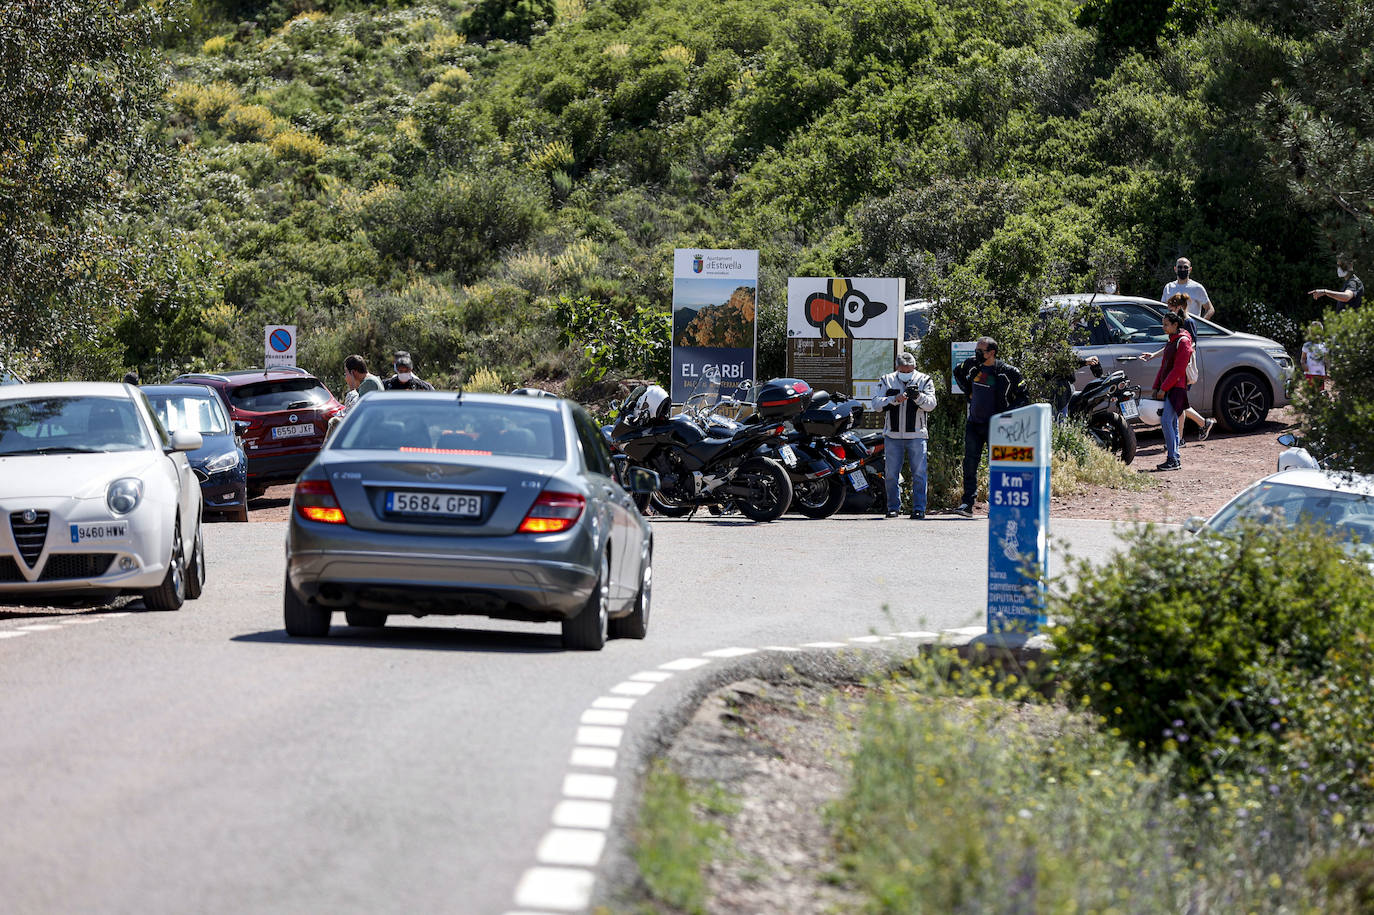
[(202, 761)]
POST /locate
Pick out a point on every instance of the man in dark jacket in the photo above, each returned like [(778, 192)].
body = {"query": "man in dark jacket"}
[(992, 387), (405, 378)]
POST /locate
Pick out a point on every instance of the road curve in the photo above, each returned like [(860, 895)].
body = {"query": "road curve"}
[(201, 760)]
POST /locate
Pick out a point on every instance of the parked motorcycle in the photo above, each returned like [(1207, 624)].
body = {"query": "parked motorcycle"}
[(696, 468), (1106, 406), (817, 451)]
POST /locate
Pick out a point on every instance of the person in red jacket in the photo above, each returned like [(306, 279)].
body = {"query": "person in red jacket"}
[(1171, 385)]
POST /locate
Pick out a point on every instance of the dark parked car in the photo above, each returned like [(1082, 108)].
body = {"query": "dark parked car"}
[(220, 464), (282, 415), (487, 504)]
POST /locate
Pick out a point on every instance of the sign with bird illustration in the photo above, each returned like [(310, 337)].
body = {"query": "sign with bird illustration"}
[(850, 308)]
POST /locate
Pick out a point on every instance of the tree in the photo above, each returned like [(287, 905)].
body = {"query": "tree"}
[(81, 82)]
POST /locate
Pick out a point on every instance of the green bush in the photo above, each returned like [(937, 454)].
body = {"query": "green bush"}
[(1222, 650), (629, 341), (513, 20)]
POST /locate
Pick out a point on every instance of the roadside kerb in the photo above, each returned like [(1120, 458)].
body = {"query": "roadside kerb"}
[(587, 851)]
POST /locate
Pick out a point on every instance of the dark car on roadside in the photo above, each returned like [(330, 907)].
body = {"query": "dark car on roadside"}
[(220, 464), (281, 414)]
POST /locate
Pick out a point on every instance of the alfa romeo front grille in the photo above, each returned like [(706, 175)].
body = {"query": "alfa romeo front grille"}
[(9, 570), (62, 566), (29, 535)]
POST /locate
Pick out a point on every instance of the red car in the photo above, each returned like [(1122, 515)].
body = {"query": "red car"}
[(281, 413)]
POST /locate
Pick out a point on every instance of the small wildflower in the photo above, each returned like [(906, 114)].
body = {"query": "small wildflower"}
[(1234, 740), (1178, 722), (1275, 881), (1333, 797)]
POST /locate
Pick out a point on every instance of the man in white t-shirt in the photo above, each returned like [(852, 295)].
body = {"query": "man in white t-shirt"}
[(1199, 303)]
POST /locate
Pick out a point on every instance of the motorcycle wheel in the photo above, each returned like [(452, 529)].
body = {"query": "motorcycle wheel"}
[(819, 498), (667, 507), (771, 490), (1116, 435)]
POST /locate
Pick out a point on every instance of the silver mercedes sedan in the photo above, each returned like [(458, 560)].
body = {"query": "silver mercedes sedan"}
[(493, 505)]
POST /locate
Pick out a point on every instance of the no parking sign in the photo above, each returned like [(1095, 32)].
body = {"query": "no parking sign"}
[(279, 345)]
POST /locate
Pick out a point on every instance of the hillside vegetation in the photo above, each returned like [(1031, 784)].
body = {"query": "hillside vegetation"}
[(470, 181)]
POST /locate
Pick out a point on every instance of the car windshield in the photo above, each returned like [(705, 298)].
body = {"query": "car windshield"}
[(70, 425), (287, 394), (453, 427), (1348, 515), (189, 413)]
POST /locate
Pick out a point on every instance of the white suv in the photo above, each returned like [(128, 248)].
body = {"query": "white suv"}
[(1240, 376)]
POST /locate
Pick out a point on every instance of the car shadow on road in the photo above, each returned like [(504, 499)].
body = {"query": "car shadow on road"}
[(424, 638)]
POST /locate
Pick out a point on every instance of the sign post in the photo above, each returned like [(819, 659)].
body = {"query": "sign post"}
[(279, 347), (715, 296), (1018, 519)]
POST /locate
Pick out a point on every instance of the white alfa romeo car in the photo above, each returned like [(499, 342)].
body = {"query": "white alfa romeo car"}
[(96, 497)]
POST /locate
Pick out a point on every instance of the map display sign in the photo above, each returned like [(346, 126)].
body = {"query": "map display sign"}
[(715, 302)]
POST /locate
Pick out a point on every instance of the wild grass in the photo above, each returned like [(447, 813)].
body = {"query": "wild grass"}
[(971, 793), (1080, 463), (674, 842)]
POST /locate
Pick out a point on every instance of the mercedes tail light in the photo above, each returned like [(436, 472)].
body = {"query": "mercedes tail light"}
[(553, 512), (315, 501)]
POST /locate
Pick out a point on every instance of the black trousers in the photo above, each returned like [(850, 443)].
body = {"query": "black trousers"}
[(975, 442)]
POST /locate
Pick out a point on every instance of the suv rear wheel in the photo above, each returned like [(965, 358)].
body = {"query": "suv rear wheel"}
[(1242, 402)]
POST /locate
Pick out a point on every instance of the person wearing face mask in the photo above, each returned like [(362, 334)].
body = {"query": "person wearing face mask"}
[(993, 387), (1351, 293), (905, 397), (1198, 301), (405, 378)]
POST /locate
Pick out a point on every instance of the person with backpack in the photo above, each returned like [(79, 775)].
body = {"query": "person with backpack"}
[(1171, 385), (1181, 305), (993, 387)]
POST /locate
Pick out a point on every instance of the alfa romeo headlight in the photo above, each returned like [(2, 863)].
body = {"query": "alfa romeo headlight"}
[(224, 462), (123, 495)]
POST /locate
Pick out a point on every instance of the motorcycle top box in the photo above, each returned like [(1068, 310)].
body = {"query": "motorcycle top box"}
[(825, 417), (782, 398)]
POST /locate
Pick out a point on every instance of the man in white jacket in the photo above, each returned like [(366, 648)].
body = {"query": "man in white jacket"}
[(905, 397)]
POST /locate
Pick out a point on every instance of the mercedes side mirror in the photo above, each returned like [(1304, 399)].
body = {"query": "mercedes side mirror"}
[(640, 480)]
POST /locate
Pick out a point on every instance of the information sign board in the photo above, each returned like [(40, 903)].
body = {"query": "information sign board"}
[(1018, 519)]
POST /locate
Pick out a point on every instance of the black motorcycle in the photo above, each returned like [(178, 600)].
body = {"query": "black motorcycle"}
[(1106, 405), (817, 451), (696, 468)]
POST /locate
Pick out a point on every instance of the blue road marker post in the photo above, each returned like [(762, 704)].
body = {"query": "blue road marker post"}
[(1018, 520)]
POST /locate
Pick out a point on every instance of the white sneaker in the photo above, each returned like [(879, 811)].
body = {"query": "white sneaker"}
[(1206, 430)]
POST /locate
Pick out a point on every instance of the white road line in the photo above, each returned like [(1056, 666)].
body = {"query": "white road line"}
[(652, 676), (562, 889), (684, 664), (872, 638), (633, 688), (592, 758), (729, 652), (77, 621), (823, 644), (589, 736), (916, 635), (589, 787), (39, 627), (582, 814), (620, 702), (967, 630), (779, 648), (571, 847), (112, 616), (612, 717), (11, 634)]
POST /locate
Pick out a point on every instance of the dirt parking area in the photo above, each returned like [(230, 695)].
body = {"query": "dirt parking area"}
[(1213, 471)]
